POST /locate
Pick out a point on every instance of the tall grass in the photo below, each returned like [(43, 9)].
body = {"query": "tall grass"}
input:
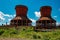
[(28, 32)]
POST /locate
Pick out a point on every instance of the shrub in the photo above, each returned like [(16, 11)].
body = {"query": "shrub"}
[(36, 37), (1, 32)]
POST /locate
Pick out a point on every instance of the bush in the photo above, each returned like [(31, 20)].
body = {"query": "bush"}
[(46, 37), (1, 32), (36, 37)]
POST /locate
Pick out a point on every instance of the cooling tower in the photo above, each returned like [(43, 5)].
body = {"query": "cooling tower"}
[(21, 10), (21, 16), (46, 21), (46, 11)]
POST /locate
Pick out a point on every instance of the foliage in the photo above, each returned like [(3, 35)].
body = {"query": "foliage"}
[(28, 32)]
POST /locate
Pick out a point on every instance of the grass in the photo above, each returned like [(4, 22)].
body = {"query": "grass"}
[(28, 32)]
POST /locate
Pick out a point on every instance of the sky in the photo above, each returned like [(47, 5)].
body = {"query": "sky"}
[(7, 9)]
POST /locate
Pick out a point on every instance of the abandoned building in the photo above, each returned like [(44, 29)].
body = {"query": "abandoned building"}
[(45, 21), (21, 17)]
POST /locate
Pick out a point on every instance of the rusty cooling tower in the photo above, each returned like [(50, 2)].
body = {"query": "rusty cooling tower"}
[(21, 10), (46, 21), (46, 11), (21, 16)]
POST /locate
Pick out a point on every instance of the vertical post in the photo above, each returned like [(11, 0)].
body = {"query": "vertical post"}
[(17, 23), (22, 22), (41, 23), (55, 24), (46, 25), (50, 24), (26, 22), (13, 22)]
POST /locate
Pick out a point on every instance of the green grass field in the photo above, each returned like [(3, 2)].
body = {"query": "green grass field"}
[(29, 33)]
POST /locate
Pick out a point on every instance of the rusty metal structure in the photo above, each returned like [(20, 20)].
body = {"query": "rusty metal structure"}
[(45, 21), (21, 17)]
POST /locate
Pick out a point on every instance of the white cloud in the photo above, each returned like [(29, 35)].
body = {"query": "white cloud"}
[(1, 16), (55, 16), (14, 15), (9, 19), (32, 20), (37, 14), (57, 24), (4, 16), (8, 15), (8, 23)]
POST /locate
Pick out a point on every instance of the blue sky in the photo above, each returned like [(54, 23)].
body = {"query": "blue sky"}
[(7, 9)]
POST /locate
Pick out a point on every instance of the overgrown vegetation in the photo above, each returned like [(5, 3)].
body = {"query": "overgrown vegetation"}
[(28, 32)]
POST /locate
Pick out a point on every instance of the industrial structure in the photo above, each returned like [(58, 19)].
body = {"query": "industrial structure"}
[(45, 21), (21, 17)]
